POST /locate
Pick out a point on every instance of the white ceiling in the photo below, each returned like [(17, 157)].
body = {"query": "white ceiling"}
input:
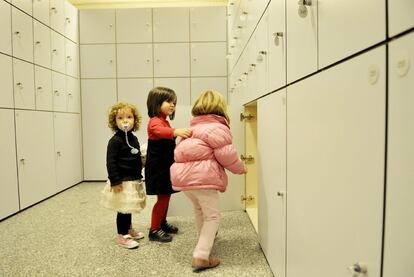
[(110, 4)]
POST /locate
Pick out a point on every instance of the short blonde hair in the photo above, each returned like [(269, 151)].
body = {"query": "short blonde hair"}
[(210, 102), (113, 111)]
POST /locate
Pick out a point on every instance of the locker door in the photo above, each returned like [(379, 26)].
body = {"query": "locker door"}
[(73, 94), (60, 97), (35, 156), (57, 16), (208, 24), (24, 5), (42, 52), (335, 169), (6, 81), (71, 58), (277, 44), (5, 26), (208, 59), (24, 96), (67, 134), (302, 38), (9, 198), (41, 11), (134, 60), (97, 97), (97, 26), (171, 24), (71, 21), (260, 57), (58, 52), (43, 89), (22, 31), (399, 221), (98, 61), (133, 25), (400, 14), (271, 147), (338, 40), (171, 60)]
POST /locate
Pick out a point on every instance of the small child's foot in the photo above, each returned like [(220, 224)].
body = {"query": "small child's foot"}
[(201, 264), (168, 228), (126, 241), (159, 235), (135, 234)]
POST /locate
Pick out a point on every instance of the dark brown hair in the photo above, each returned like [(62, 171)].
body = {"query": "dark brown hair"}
[(156, 97)]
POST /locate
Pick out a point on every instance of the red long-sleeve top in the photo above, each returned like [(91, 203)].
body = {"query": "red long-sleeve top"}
[(159, 128)]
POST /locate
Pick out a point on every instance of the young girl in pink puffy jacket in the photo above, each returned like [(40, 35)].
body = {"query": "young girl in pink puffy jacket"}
[(199, 170)]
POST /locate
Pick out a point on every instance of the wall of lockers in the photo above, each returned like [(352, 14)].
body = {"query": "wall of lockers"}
[(40, 150), (333, 84), (126, 52)]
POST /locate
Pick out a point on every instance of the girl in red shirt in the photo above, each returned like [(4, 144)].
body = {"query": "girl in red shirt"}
[(161, 103)]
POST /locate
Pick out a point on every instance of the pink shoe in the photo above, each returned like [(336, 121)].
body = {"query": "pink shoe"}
[(135, 234), (126, 241)]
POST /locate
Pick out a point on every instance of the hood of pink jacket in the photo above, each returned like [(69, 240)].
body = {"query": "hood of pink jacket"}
[(201, 160)]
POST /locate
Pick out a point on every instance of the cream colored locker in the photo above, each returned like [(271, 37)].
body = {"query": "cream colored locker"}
[(134, 60), (277, 45), (171, 60), (71, 58), (271, 144), (58, 52), (400, 16), (338, 40), (60, 96), (35, 156), (98, 61), (71, 21), (24, 5), (41, 11), (6, 81), (24, 95), (97, 97), (198, 85), (208, 59), (73, 94), (42, 51), (9, 197), (181, 86), (171, 24), (136, 91), (302, 38), (399, 221), (208, 24), (335, 169), (260, 57), (133, 25), (22, 32), (43, 89), (68, 150), (5, 27), (97, 26), (57, 16)]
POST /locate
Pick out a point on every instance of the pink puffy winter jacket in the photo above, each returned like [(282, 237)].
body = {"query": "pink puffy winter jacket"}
[(200, 160)]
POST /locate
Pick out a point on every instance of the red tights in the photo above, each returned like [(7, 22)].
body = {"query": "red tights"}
[(159, 211)]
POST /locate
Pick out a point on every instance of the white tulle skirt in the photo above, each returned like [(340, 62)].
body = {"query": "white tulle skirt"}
[(131, 199)]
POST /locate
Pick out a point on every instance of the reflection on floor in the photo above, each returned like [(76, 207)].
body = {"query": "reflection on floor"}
[(71, 235)]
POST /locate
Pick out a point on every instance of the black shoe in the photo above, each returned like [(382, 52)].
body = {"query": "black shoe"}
[(159, 235), (168, 228)]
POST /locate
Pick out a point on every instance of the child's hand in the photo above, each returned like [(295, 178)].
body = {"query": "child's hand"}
[(117, 188), (183, 132)]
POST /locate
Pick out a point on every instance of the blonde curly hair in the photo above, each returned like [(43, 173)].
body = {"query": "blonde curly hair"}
[(113, 111)]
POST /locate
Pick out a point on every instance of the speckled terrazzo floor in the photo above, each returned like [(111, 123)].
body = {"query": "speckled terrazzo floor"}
[(71, 235)]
